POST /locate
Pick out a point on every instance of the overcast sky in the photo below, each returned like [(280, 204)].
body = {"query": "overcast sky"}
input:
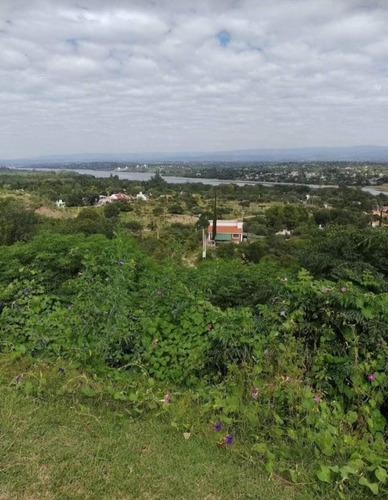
[(111, 76)]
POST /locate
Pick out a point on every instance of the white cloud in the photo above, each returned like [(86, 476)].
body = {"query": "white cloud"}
[(122, 76)]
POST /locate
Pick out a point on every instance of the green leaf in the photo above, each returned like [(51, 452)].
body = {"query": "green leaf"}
[(351, 417), (278, 419), (260, 448), (374, 487), (324, 474), (346, 470), (381, 474), (292, 434), (118, 396), (88, 392), (28, 388), (367, 312)]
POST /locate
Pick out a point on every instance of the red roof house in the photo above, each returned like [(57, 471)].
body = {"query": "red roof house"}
[(226, 230)]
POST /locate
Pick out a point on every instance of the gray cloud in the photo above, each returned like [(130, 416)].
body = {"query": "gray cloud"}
[(122, 76)]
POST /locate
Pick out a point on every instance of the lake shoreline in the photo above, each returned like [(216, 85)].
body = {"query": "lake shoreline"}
[(172, 179)]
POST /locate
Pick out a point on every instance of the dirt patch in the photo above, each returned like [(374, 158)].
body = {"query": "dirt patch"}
[(182, 219), (56, 214)]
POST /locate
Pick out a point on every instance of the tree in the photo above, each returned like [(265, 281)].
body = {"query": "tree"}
[(245, 203), (133, 226), (177, 208), (156, 181), (16, 222), (90, 198), (74, 199), (203, 221), (111, 210), (90, 221), (124, 206), (158, 211)]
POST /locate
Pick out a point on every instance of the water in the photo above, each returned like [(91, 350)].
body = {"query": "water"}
[(146, 176)]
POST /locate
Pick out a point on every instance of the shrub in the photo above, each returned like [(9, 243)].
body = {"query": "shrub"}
[(17, 223), (133, 226), (111, 210)]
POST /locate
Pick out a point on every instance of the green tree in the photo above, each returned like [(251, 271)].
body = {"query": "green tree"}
[(134, 226), (16, 222), (111, 210), (91, 221), (176, 208), (158, 211)]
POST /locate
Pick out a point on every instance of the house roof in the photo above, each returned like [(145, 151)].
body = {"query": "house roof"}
[(226, 229), (234, 226)]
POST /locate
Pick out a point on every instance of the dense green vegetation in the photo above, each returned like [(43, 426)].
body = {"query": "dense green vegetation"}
[(275, 349)]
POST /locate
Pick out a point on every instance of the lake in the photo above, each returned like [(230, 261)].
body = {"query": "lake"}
[(146, 176)]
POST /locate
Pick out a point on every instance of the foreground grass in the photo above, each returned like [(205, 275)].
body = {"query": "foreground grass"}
[(51, 450)]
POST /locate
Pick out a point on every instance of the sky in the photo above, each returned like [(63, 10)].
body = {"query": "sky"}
[(115, 76)]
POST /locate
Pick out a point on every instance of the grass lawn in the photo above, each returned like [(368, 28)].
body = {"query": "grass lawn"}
[(50, 450)]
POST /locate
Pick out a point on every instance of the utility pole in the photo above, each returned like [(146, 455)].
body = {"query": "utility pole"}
[(215, 216)]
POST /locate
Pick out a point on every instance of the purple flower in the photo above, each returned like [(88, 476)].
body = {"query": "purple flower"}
[(159, 292), (217, 426), (325, 289), (379, 343), (282, 313), (254, 392), (372, 377), (317, 399), (70, 306), (229, 440), (210, 326), (61, 370), (121, 262), (167, 397), (18, 379), (344, 289)]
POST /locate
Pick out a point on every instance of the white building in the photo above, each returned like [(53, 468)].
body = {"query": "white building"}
[(141, 196), (285, 232)]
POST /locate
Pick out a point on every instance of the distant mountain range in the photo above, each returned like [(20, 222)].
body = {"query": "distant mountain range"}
[(352, 153)]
